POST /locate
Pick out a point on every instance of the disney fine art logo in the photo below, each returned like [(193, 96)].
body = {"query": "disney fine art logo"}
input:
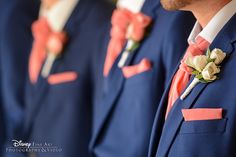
[(20, 143)]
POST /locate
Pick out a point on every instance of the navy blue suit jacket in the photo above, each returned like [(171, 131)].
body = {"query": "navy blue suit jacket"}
[(123, 118), (202, 138), (61, 114), (15, 42)]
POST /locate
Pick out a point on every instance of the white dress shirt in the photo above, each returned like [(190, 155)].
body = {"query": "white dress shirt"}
[(59, 14), (133, 5), (215, 25)]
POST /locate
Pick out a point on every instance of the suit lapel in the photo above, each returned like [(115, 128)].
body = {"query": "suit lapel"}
[(40, 89), (160, 117), (224, 41), (115, 83)]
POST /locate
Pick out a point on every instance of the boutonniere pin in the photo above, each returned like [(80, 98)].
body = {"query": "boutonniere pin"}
[(135, 33), (205, 68), (54, 48)]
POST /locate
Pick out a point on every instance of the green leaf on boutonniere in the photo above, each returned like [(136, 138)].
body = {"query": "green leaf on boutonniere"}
[(206, 81), (199, 76), (208, 53), (195, 72), (134, 47), (210, 60)]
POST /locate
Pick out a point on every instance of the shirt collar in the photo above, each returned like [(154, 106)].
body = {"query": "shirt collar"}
[(134, 6), (59, 14), (215, 25)]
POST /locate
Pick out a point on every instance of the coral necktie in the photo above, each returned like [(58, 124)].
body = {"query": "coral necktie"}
[(182, 76)]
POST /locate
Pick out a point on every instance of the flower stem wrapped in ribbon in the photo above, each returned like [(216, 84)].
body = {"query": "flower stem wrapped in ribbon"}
[(205, 68), (55, 45)]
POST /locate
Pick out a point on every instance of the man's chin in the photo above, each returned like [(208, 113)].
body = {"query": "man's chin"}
[(173, 5)]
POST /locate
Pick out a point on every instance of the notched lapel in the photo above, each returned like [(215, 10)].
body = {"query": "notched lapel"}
[(115, 86)]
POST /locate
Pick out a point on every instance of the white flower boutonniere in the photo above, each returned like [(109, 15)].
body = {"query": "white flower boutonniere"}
[(205, 68)]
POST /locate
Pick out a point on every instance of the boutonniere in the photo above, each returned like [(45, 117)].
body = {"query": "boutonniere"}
[(136, 30), (127, 28), (205, 68), (54, 48)]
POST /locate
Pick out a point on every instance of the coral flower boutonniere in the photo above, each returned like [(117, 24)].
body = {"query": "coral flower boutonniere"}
[(205, 68), (135, 33), (128, 28)]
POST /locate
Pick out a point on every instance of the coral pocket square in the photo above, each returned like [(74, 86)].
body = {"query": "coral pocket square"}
[(62, 77), (143, 66), (202, 114)]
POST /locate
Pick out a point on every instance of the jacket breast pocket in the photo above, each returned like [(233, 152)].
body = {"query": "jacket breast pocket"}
[(132, 71), (203, 126), (140, 78)]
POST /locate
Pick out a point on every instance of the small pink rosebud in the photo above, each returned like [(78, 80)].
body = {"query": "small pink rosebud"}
[(55, 43)]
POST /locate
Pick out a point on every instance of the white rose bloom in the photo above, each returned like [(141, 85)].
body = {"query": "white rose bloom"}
[(218, 55), (189, 62), (209, 71), (200, 62)]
